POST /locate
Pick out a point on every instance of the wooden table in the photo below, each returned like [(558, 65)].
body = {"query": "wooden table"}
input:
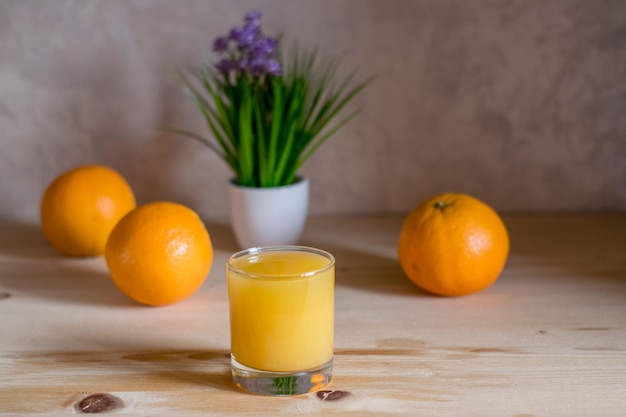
[(547, 339)]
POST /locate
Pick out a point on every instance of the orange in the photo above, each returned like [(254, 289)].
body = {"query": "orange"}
[(159, 253), (453, 244), (80, 208)]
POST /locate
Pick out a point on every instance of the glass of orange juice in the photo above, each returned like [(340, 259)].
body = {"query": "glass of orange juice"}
[(281, 302)]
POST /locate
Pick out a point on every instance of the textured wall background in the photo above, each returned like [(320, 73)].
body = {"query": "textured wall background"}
[(520, 103)]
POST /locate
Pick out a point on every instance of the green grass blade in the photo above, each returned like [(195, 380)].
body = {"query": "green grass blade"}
[(279, 172), (277, 122), (319, 141), (319, 86), (337, 106), (227, 158), (293, 164), (329, 102), (294, 106), (210, 115), (213, 126), (224, 111), (263, 174), (245, 149)]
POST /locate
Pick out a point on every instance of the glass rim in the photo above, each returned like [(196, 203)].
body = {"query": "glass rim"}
[(281, 248)]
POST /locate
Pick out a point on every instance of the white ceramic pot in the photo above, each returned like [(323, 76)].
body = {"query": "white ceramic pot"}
[(268, 216)]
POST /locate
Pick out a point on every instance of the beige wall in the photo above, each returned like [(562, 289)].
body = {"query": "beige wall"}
[(520, 103)]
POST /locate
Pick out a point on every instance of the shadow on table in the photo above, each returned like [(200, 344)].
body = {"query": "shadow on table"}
[(61, 283), (566, 246), (35, 269), (369, 271), (24, 240), (85, 280), (186, 367), (152, 368), (222, 237)]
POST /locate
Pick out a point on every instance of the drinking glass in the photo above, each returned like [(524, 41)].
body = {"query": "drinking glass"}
[(281, 301)]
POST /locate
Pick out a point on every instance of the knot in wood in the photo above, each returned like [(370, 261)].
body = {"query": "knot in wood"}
[(98, 403)]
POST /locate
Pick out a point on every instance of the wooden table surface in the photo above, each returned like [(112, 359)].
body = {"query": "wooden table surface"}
[(547, 339)]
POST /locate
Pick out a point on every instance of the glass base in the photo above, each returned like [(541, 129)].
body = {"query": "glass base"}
[(281, 383)]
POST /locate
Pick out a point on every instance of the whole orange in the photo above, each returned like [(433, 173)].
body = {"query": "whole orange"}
[(81, 206), (159, 253), (453, 244)]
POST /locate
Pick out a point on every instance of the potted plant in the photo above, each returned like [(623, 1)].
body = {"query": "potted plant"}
[(268, 112)]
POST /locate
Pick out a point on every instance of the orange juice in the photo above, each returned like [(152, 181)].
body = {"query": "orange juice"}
[(281, 309)]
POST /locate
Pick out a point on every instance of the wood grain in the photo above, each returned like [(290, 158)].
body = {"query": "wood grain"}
[(548, 338)]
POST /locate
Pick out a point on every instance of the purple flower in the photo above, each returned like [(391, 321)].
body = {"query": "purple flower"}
[(257, 66), (247, 51), (235, 34), (225, 66), (253, 18), (245, 36), (272, 67), (264, 47), (241, 64), (220, 45)]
